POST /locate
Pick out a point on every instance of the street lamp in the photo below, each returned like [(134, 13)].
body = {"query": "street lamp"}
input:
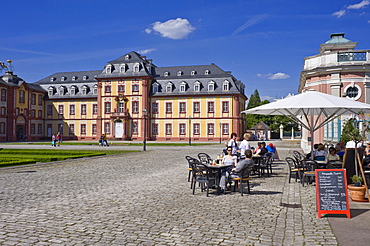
[(189, 130), (220, 131), (144, 140)]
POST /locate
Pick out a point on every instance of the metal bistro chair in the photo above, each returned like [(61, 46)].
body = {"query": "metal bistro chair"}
[(204, 158), (191, 161), (293, 168), (309, 171), (203, 176), (299, 157)]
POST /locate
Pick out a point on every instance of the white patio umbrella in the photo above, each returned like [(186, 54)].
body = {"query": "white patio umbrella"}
[(311, 109)]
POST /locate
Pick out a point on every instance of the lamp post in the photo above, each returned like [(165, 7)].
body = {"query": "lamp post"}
[(220, 131), (189, 130), (144, 140)]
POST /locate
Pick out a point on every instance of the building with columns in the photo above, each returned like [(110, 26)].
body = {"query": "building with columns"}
[(129, 99), (338, 70)]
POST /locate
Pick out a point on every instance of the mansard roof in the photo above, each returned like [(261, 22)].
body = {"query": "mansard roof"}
[(70, 77)]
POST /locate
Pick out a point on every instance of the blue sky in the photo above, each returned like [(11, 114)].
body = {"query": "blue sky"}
[(263, 42)]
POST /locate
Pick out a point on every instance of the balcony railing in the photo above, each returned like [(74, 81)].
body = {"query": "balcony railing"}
[(351, 56)]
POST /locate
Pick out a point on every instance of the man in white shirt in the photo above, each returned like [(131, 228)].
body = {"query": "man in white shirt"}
[(245, 144)]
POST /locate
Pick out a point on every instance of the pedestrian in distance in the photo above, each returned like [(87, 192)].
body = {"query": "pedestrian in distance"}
[(53, 140)]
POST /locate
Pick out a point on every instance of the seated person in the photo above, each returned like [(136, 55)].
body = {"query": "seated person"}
[(272, 148), (332, 156), (262, 150), (241, 164), (320, 153), (228, 159)]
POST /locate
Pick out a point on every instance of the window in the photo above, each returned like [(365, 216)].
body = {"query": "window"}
[(33, 128), (95, 90), (72, 109), (85, 90), (183, 86), (39, 114), (33, 99), (51, 90), (211, 107), (39, 128), (211, 86), (73, 90), (2, 127), (182, 107), (168, 129), (74, 78), (40, 100), (33, 113), (207, 72), (85, 77), (193, 73), (179, 73), (135, 87), (166, 74), (62, 91), (50, 109), (155, 88), (210, 129), (83, 109), (225, 107), (3, 95), (17, 111), (196, 107), (155, 129), (107, 89), (225, 129), (71, 129), (108, 69), (61, 109), (3, 110), (107, 127), (52, 79), (123, 68), (196, 129), (121, 107), (94, 129), (83, 128), (21, 96), (155, 108), (26, 112), (225, 85), (135, 107), (137, 68), (353, 92), (182, 129), (107, 107), (168, 108), (127, 57), (134, 128), (197, 86), (169, 87), (121, 88), (63, 78), (95, 108)]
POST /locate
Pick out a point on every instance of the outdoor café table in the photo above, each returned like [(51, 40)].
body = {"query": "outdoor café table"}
[(217, 170), (321, 164)]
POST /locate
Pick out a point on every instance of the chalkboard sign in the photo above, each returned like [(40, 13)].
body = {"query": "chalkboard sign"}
[(331, 192)]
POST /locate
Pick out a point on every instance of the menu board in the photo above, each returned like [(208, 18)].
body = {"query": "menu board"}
[(331, 192)]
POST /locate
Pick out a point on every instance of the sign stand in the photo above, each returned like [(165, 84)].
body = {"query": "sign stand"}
[(331, 192)]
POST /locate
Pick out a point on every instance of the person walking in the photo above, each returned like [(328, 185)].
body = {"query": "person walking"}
[(53, 140), (59, 138), (105, 142)]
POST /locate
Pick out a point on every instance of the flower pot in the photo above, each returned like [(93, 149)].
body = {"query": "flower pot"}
[(357, 193)]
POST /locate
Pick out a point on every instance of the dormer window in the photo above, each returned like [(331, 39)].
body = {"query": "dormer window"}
[(73, 90), (52, 79), (155, 88), (127, 57), (63, 78), (169, 87), (108, 69), (211, 86), (74, 78), (95, 89), (179, 73), (193, 72), (197, 86), (85, 89), (137, 68), (226, 85), (62, 90), (51, 90), (207, 72), (166, 74), (183, 86), (123, 68), (85, 77)]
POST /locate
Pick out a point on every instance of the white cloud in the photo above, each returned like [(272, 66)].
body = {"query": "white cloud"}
[(340, 13), (147, 51), (274, 76), (173, 29), (254, 20), (359, 5)]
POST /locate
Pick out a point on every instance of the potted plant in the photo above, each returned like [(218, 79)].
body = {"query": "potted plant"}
[(357, 190)]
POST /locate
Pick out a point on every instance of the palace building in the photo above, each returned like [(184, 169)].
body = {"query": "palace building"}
[(338, 70), (130, 99)]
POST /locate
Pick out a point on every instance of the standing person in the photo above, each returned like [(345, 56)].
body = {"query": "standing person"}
[(233, 144), (244, 145), (53, 139), (105, 142), (59, 138)]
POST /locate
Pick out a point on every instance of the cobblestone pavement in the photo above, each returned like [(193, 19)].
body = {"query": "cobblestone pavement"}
[(144, 199)]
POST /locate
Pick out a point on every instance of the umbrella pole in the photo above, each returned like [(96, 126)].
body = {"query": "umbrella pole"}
[(312, 135)]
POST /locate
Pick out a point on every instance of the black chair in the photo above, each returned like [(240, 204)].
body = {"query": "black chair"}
[(203, 176), (293, 168), (269, 160), (204, 158), (309, 171), (191, 161), (299, 157), (242, 177)]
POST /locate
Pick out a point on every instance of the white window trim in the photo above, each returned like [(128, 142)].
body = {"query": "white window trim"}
[(359, 91)]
